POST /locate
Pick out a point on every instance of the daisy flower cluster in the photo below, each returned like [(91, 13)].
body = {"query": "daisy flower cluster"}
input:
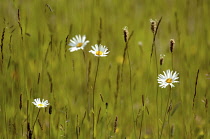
[(79, 42)]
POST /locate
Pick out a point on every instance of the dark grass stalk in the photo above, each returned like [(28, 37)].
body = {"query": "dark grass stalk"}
[(50, 80), (161, 94), (124, 53), (77, 128), (207, 117), (169, 128), (84, 117), (9, 63), (67, 38), (99, 112), (195, 92), (87, 73), (117, 87), (142, 117), (2, 44), (206, 112), (49, 7), (66, 44), (66, 123), (46, 54), (88, 90), (40, 125), (115, 124), (102, 99), (29, 133), (38, 80), (21, 103), (93, 97), (20, 26), (50, 112), (10, 43), (167, 109), (59, 50)]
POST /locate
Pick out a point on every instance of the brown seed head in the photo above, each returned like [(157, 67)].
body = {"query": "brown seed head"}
[(172, 43), (153, 25), (50, 109), (161, 59)]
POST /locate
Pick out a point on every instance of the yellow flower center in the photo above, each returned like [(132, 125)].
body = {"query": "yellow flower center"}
[(40, 105), (79, 44), (169, 80), (99, 53)]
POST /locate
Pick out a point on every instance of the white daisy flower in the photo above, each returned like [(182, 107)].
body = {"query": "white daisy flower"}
[(77, 43), (100, 51), (168, 78), (40, 104)]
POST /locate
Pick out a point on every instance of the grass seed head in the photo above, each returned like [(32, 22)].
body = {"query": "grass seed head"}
[(153, 25), (161, 59), (172, 43), (125, 33)]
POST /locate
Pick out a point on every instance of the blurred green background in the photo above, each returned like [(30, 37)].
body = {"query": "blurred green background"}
[(36, 63)]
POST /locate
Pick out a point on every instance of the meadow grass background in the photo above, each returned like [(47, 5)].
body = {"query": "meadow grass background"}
[(36, 63)]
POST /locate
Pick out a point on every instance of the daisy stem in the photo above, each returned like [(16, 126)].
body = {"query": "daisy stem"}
[(35, 121), (94, 86), (169, 97)]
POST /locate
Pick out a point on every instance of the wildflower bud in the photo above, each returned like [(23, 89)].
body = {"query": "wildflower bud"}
[(125, 33), (153, 25), (172, 43), (50, 109), (161, 59)]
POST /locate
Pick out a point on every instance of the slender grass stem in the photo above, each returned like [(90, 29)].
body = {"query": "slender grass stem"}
[(172, 59), (131, 97), (157, 89), (94, 86), (154, 47)]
